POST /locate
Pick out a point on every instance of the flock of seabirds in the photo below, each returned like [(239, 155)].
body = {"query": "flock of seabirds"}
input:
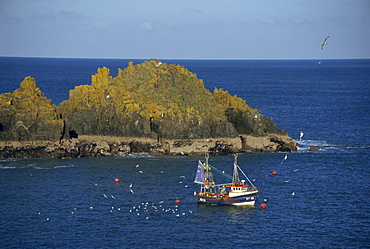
[(145, 210)]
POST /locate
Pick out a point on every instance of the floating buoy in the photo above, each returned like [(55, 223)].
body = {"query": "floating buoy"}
[(263, 205), (274, 173), (177, 201), (116, 180)]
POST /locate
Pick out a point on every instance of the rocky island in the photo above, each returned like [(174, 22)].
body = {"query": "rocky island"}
[(152, 107)]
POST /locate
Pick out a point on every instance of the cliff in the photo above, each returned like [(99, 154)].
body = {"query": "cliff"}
[(163, 103)]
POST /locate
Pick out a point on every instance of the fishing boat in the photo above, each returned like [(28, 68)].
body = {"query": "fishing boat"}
[(235, 193)]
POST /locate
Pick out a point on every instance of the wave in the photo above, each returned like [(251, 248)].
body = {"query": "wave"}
[(136, 155), (35, 166), (316, 143), (9, 159), (64, 166), (322, 145), (7, 167)]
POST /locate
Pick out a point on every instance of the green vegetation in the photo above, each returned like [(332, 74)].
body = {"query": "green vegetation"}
[(154, 89)]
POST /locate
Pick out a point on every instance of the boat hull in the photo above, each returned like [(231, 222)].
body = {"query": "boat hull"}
[(248, 198)]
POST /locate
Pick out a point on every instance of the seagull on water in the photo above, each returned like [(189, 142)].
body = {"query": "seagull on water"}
[(324, 43)]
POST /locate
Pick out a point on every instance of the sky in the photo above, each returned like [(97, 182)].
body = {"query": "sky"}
[(185, 29)]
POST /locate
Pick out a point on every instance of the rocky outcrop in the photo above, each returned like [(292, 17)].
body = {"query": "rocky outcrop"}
[(102, 146), (158, 100), (26, 115), (165, 105), (313, 148)]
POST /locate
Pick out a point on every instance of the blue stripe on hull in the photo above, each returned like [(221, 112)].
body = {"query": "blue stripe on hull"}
[(250, 198)]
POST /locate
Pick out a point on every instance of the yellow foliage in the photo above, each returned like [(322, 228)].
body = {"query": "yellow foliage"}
[(102, 78), (133, 107)]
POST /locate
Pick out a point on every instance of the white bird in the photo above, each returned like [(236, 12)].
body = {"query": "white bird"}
[(301, 135), (137, 165), (141, 172), (287, 181), (293, 193), (130, 185), (324, 43), (285, 158), (105, 196), (132, 191)]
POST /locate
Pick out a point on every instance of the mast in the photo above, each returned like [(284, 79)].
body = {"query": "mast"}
[(207, 171), (236, 179)]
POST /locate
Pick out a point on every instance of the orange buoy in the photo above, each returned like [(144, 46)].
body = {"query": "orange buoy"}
[(116, 180), (177, 201), (263, 205), (274, 173)]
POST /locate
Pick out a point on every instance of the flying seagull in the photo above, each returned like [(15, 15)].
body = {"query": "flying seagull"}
[(324, 43), (285, 158)]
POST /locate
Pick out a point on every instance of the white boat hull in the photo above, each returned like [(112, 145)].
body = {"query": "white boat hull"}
[(242, 199)]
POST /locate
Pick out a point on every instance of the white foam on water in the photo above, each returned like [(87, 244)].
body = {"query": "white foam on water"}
[(136, 155), (321, 145), (64, 166), (7, 167)]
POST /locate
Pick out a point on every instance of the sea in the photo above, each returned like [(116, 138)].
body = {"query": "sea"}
[(316, 200)]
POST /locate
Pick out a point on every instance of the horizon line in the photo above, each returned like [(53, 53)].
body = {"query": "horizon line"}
[(235, 59)]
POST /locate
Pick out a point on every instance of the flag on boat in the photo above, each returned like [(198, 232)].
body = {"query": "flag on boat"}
[(199, 176)]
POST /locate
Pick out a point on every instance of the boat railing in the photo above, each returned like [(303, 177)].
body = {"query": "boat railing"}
[(231, 185)]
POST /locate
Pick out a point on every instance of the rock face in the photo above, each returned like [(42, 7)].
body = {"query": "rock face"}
[(166, 104), (101, 146)]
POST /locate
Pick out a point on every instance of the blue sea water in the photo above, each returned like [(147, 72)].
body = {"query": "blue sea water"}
[(74, 203)]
